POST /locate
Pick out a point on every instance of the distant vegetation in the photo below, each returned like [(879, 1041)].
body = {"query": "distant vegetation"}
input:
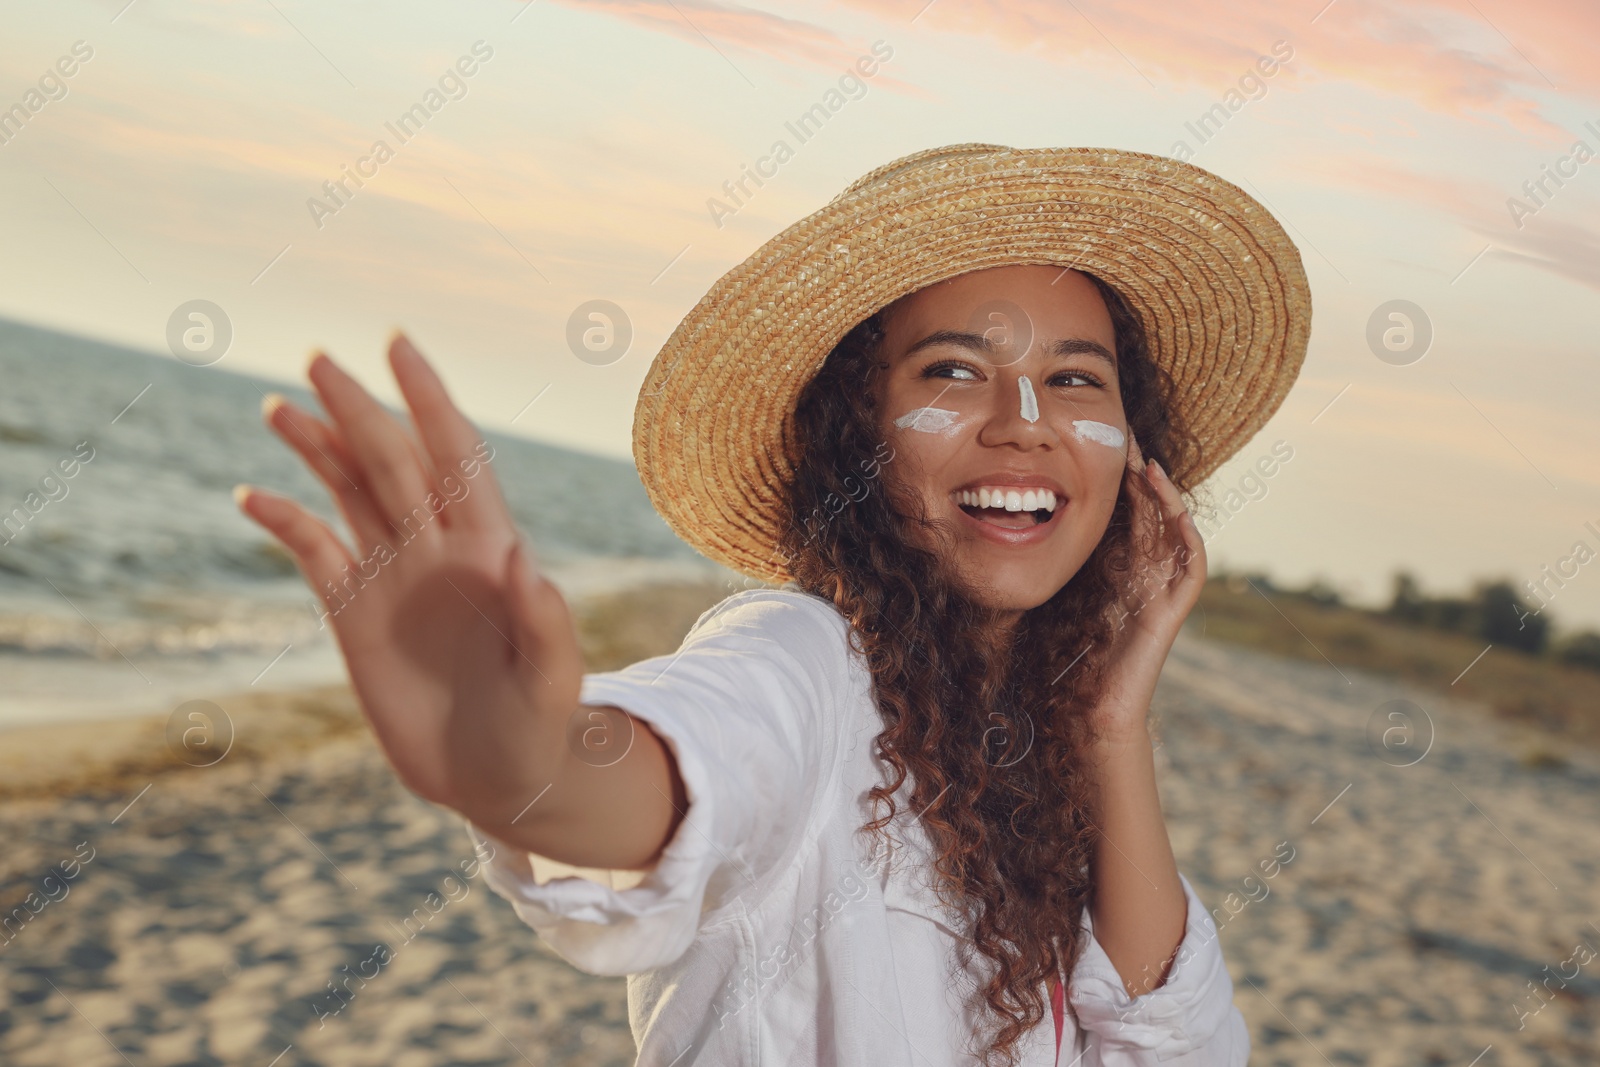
[(1488, 645), (1495, 612)]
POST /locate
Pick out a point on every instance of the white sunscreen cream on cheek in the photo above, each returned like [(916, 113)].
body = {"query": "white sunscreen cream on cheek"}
[(1030, 399), (931, 420), (1099, 433)]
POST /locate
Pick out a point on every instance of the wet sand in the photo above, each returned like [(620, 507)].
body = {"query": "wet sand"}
[(210, 908)]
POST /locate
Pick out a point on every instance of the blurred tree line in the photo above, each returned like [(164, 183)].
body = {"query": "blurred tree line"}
[(1496, 612), (1493, 610)]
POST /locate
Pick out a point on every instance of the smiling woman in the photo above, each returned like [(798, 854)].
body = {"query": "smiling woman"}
[(1009, 524), (896, 809)]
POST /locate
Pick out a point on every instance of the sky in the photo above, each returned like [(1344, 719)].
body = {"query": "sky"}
[(190, 155)]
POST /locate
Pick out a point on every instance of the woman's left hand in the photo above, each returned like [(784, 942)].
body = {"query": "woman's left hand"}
[(1169, 570)]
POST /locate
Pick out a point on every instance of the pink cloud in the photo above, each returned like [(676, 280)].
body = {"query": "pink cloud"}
[(1562, 248), (707, 24), (1544, 241), (1474, 202), (1418, 50)]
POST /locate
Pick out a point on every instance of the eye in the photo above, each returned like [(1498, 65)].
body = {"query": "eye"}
[(1081, 375), (953, 370)]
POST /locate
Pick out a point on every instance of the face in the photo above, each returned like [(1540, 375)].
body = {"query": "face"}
[(1000, 396)]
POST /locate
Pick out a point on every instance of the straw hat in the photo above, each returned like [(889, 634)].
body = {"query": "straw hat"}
[(1211, 274)]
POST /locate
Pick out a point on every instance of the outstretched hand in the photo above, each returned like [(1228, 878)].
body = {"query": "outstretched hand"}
[(463, 656)]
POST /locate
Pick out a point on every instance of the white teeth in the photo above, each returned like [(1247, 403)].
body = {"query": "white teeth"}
[(1010, 499)]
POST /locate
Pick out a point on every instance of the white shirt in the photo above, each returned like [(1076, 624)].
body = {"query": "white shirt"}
[(768, 933)]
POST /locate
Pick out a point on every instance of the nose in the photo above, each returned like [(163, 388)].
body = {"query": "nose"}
[(1014, 417)]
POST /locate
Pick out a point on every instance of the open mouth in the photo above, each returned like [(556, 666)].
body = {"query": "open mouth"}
[(1008, 507)]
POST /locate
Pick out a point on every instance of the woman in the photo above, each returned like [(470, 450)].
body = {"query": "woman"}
[(897, 809)]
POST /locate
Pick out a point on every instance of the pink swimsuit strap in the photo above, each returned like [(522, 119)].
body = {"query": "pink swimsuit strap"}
[(1058, 1010)]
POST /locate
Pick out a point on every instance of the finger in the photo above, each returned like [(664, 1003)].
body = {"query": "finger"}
[(322, 559), (1177, 514), (1172, 505), (1156, 510), (381, 448), (450, 439), (330, 461), (543, 624), (1135, 455), (1141, 490)]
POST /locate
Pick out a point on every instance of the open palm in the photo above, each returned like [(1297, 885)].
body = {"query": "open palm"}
[(464, 658)]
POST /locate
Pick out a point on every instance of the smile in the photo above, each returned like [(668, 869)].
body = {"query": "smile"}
[(1007, 506)]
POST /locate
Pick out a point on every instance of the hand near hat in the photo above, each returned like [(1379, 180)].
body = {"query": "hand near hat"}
[(1169, 571), (464, 657)]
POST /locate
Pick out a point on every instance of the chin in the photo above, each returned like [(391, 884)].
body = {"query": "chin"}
[(1012, 585)]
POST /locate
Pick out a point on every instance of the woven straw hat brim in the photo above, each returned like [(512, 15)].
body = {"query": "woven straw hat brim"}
[(1213, 277)]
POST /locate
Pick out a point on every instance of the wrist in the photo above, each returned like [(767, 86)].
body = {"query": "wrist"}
[(498, 789), (1122, 739), (1122, 714)]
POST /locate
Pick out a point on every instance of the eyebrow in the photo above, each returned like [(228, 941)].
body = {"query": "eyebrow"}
[(1068, 346)]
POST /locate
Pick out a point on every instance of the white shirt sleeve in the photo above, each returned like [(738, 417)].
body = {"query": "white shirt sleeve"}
[(741, 706), (1188, 1021)]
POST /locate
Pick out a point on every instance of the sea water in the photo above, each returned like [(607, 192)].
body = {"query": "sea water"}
[(135, 582)]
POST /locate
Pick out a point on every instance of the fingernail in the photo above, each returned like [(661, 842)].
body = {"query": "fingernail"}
[(240, 492), (271, 402)]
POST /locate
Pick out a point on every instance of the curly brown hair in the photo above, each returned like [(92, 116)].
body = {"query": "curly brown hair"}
[(988, 723)]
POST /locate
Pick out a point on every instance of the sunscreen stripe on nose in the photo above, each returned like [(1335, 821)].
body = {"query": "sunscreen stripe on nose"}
[(1030, 402)]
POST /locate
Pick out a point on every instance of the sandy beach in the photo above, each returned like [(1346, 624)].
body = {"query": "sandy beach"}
[(207, 914)]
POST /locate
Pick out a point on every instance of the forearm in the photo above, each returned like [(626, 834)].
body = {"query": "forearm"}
[(1139, 909)]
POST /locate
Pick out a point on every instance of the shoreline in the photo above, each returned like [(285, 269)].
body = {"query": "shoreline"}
[(116, 677), (619, 619)]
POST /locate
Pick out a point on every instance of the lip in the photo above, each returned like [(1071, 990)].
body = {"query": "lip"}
[(1020, 479), (1028, 535)]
